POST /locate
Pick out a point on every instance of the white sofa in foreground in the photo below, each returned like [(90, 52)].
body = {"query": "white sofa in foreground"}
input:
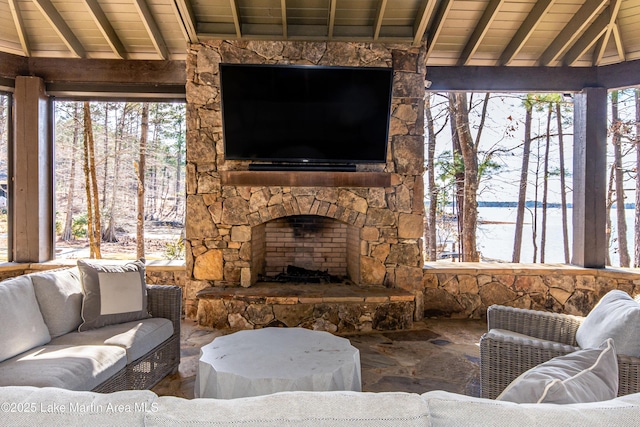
[(29, 406)]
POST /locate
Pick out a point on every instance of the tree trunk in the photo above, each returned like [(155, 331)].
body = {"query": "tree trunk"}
[(110, 232), (470, 159), (637, 211), (144, 128), (93, 214), (524, 172), (67, 232), (430, 232), (545, 185), (621, 221), (563, 187), (610, 187)]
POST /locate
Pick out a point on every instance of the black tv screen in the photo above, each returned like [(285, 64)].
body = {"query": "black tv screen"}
[(305, 114)]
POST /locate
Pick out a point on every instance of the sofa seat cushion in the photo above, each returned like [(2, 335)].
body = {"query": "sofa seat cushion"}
[(521, 339), (22, 326), (69, 367), (456, 410), (299, 408), (136, 338), (59, 295), (57, 407)]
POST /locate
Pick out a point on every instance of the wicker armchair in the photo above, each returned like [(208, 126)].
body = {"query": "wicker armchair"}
[(518, 340)]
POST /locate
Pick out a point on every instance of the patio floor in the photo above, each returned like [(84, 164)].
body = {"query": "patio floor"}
[(436, 354)]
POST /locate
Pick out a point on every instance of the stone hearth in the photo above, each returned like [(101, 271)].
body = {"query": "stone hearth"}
[(379, 207)]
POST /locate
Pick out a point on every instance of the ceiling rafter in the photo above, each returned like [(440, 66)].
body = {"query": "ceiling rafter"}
[(283, 8), (613, 9), (17, 20), (106, 29), (571, 31), (525, 31), (594, 33), (438, 25), (377, 23), (422, 20), (152, 28), (480, 31), (52, 16), (237, 22), (618, 40), (186, 19), (332, 18)]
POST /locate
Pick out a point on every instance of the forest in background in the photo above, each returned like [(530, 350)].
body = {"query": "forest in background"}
[(517, 148), (119, 174)]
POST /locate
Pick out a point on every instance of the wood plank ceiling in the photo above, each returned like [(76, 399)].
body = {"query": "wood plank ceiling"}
[(456, 32)]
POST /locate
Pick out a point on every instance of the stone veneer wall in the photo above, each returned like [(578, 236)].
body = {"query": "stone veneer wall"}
[(220, 217), (465, 290)]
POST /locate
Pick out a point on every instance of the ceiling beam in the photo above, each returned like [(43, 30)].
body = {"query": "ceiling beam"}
[(377, 23), (601, 47), (438, 24), (618, 40), (235, 12), (587, 39), (480, 31), (422, 20), (571, 31), (283, 8), (527, 28), (332, 18), (60, 27), (186, 19), (17, 20), (106, 29), (152, 28)]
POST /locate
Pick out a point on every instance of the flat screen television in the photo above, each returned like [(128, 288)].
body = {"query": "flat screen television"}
[(305, 114)]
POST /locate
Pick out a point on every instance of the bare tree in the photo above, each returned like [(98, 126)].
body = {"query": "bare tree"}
[(621, 221), (545, 184), (91, 186), (67, 232), (636, 261), (524, 172), (141, 167), (433, 190), (563, 186)]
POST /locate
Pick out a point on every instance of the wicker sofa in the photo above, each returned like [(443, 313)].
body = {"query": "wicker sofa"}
[(40, 314), (518, 340)]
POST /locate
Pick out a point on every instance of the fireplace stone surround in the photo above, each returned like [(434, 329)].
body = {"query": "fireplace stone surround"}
[(380, 206)]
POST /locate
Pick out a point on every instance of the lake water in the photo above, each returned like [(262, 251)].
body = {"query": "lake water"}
[(495, 241)]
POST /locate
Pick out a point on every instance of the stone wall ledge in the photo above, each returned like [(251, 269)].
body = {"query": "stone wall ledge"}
[(475, 268), (286, 293)]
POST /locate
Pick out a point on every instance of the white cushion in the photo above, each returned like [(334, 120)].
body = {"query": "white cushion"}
[(615, 316), (71, 367), (59, 295), (137, 338), (112, 293), (455, 410), (22, 327), (336, 408), (587, 375)]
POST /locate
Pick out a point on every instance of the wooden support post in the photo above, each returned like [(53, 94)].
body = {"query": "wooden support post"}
[(33, 173), (589, 178)]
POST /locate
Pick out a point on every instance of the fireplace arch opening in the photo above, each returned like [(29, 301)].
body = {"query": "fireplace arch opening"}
[(300, 243)]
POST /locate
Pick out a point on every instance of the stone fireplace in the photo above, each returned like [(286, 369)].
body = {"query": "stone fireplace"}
[(243, 226)]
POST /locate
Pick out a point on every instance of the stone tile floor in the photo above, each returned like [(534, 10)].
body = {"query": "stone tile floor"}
[(436, 354)]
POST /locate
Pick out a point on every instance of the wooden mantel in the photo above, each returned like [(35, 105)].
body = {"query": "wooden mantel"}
[(306, 178)]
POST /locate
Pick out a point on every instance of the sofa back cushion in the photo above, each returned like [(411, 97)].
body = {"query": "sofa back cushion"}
[(112, 293), (22, 324), (59, 295), (616, 316)]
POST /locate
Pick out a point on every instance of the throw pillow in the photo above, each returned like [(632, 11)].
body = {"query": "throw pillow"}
[(616, 316), (59, 295), (22, 325), (587, 375), (112, 294)]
